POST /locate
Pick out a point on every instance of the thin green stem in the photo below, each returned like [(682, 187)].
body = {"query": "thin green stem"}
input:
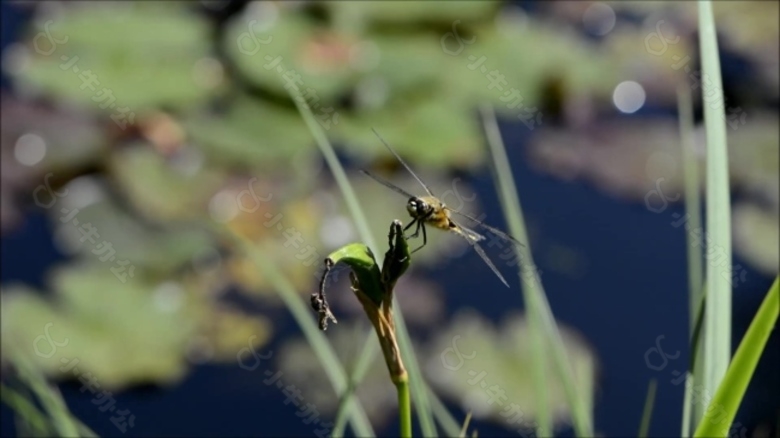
[(404, 408)]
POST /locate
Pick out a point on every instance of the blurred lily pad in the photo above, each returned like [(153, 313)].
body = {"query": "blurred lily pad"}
[(252, 134), (754, 150), (264, 50), (118, 331), (471, 351), (400, 64), (137, 331), (160, 190), (518, 53), (405, 13), (123, 46), (756, 237), (435, 132), (158, 250)]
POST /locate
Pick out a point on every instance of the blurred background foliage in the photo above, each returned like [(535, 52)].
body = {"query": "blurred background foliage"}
[(214, 136)]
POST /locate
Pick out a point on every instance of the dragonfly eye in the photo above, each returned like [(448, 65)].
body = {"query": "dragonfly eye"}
[(417, 207)]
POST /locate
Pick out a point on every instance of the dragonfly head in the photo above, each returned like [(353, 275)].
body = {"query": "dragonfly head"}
[(418, 208)]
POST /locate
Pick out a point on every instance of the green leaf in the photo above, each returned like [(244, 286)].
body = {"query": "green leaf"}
[(360, 258)]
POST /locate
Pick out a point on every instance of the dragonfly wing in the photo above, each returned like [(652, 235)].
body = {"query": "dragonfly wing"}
[(484, 256), (400, 160), (493, 230), (388, 184), (472, 238), (471, 233)]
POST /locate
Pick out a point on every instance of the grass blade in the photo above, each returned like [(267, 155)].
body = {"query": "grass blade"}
[(735, 382), (694, 365), (717, 315), (50, 398), (361, 368), (692, 198), (647, 412), (417, 384), (447, 423), (540, 314), (693, 211), (465, 428), (26, 410)]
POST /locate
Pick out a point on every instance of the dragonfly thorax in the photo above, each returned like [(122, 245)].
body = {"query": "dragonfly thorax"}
[(418, 208)]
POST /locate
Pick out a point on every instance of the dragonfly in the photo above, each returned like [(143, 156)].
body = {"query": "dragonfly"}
[(430, 210)]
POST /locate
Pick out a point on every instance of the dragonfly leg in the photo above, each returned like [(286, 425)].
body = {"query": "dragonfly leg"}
[(409, 225), (416, 230), (425, 236)]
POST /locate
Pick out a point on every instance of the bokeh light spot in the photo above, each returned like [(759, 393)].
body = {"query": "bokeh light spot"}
[(628, 97), (30, 149)]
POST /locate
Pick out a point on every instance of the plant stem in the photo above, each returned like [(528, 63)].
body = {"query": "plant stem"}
[(404, 407)]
